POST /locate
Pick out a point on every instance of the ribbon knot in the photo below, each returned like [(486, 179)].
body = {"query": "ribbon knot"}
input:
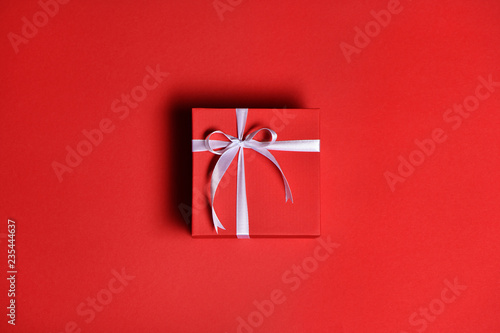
[(236, 146)]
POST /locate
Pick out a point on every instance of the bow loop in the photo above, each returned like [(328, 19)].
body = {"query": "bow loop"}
[(251, 142), (220, 145)]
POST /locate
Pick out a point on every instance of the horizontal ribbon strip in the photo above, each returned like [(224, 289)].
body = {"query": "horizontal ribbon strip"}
[(288, 145)]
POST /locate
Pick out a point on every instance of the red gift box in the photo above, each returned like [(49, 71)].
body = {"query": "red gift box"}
[(251, 161)]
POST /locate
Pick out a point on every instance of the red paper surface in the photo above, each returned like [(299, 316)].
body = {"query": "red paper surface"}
[(268, 213), (119, 208)]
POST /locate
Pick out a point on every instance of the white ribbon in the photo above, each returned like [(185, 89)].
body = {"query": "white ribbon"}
[(228, 150)]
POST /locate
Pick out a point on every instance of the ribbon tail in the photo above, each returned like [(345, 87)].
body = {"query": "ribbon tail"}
[(241, 199), (266, 153), (219, 170)]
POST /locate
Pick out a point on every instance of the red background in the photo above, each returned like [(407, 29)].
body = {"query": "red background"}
[(119, 207)]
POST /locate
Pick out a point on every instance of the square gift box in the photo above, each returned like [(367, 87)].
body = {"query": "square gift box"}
[(256, 173)]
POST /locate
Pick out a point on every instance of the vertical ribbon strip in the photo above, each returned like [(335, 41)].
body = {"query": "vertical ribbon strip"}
[(236, 146)]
